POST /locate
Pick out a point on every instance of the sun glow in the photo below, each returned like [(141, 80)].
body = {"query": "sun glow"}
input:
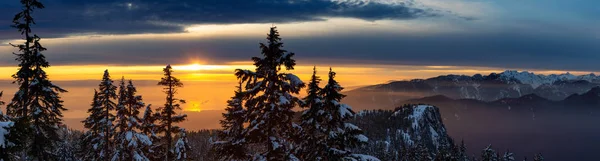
[(194, 106), (198, 67)]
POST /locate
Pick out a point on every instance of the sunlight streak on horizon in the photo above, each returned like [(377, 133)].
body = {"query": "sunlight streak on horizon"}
[(348, 74)]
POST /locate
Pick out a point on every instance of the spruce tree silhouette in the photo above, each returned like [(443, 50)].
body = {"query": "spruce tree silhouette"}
[(168, 115), (36, 107), (269, 100)]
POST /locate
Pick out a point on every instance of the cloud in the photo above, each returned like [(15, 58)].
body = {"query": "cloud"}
[(64, 17), (508, 49), (520, 39)]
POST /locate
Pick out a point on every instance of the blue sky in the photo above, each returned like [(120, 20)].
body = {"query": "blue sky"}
[(543, 35)]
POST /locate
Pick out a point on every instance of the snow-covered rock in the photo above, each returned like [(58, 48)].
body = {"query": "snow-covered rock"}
[(423, 125), (405, 127)]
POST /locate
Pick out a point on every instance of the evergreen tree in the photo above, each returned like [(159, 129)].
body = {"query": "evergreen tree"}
[(313, 139), (6, 144), (149, 128), (462, 151), (342, 136), (130, 143), (168, 116), (231, 144), (23, 21), (93, 136), (107, 95), (99, 123), (269, 101), (121, 123), (182, 147), (508, 156), (489, 154), (463, 147), (444, 154), (37, 104), (419, 152), (538, 157), (67, 148)]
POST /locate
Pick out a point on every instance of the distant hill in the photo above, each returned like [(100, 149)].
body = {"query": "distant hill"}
[(592, 97)]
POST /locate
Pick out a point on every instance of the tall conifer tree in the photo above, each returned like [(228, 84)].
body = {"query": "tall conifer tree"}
[(121, 123), (149, 128), (130, 142), (93, 136), (312, 138), (106, 97), (37, 103), (168, 115), (231, 144), (489, 154), (269, 101), (342, 136)]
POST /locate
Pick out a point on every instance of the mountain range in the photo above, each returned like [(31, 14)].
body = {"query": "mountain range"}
[(488, 88)]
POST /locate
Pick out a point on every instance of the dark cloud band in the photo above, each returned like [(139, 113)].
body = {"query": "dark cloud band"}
[(505, 50), (63, 17)]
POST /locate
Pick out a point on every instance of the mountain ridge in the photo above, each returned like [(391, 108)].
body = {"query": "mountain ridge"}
[(510, 76), (492, 87)]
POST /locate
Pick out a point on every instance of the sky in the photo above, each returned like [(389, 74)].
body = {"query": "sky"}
[(365, 41)]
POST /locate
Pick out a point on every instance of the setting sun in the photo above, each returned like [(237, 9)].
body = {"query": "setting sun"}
[(198, 67), (194, 106)]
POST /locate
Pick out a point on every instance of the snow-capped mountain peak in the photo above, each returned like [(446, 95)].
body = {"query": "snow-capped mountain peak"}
[(535, 80)]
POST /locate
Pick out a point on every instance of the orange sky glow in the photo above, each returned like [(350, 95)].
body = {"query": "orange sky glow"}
[(221, 76)]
